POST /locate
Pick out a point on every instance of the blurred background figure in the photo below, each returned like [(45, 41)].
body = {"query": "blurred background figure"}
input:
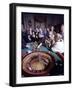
[(62, 31), (41, 33), (52, 35), (38, 29), (24, 37), (30, 30), (46, 31)]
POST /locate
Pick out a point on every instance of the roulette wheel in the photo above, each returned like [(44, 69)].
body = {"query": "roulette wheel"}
[(37, 64)]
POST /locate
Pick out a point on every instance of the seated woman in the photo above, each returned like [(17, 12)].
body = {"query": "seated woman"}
[(59, 44)]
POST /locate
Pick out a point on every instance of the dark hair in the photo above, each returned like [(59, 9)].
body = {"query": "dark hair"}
[(58, 28)]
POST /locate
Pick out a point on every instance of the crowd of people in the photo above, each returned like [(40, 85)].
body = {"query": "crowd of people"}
[(49, 36)]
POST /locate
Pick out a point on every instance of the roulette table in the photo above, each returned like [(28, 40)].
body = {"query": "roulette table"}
[(37, 64), (42, 62)]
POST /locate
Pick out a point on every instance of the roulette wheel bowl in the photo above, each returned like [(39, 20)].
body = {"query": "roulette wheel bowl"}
[(37, 64)]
